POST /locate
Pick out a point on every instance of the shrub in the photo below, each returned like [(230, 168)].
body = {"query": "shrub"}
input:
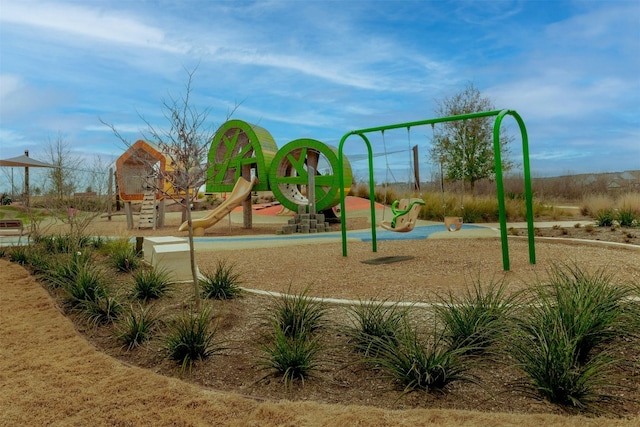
[(123, 255), (136, 327), (604, 218), (372, 322), (549, 357), (559, 332), (292, 357), (104, 309), (223, 283), (88, 284), (40, 262), (417, 365), (150, 284), (190, 338), (19, 254), (628, 217), (298, 315), (64, 271), (477, 319), (589, 305), (62, 243)]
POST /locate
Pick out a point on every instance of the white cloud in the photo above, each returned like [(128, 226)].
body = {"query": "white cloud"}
[(87, 22)]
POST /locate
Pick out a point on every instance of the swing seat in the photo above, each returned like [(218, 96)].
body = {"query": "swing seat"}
[(405, 213), (453, 223)]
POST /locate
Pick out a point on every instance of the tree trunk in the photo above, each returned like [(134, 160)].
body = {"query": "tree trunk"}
[(192, 254)]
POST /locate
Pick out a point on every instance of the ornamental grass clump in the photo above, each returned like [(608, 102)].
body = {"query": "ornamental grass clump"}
[(562, 335), (373, 322), (123, 255), (291, 344), (298, 314), (64, 270), (222, 283), (88, 295), (418, 363), (191, 338), (604, 217), (19, 254), (150, 283), (628, 217), (290, 357), (86, 284), (477, 319), (136, 327), (548, 354)]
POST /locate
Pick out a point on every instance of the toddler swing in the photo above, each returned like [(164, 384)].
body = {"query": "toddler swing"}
[(405, 211), (451, 223)]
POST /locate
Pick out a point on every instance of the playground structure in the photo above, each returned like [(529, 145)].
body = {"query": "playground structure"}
[(239, 194), (139, 172), (499, 114), (242, 158), (405, 213), (304, 173)]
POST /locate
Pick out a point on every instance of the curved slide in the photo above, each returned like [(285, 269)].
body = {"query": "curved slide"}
[(239, 194)]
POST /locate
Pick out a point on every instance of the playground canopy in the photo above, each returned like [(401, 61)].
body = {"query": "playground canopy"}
[(26, 162)]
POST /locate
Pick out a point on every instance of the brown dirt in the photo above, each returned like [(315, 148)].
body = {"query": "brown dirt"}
[(56, 376)]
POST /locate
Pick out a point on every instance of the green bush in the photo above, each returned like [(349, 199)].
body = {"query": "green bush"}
[(628, 217), (291, 346), (66, 267), (62, 243), (223, 283), (298, 315), (477, 319), (561, 333), (589, 305), (19, 254), (372, 322), (548, 355), (100, 311), (151, 284), (422, 364), (88, 284), (123, 255), (604, 217), (292, 357), (136, 327), (191, 338)]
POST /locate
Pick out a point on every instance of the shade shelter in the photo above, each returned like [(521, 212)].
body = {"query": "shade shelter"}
[(26, 162)]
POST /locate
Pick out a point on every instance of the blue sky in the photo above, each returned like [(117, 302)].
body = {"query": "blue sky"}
[(318, 69)]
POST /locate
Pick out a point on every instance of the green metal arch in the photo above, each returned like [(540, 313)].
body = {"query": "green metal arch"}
[(237, 144), (289, 172)]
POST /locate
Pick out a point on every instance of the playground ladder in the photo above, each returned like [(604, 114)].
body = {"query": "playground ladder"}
[(148, 211)]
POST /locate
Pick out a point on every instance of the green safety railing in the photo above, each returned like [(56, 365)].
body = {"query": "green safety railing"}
[(499, 114)]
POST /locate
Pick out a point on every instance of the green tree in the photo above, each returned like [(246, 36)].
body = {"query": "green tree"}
[(464, 149)]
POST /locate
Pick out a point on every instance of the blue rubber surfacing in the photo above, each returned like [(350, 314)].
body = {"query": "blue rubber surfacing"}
[(418, 233)]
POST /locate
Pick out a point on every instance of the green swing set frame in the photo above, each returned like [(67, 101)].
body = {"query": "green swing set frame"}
[(499, 114)]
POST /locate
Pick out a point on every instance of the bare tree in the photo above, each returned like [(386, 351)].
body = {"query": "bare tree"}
[(62, 177), (185, 144), (61, 182), (464, 148)]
